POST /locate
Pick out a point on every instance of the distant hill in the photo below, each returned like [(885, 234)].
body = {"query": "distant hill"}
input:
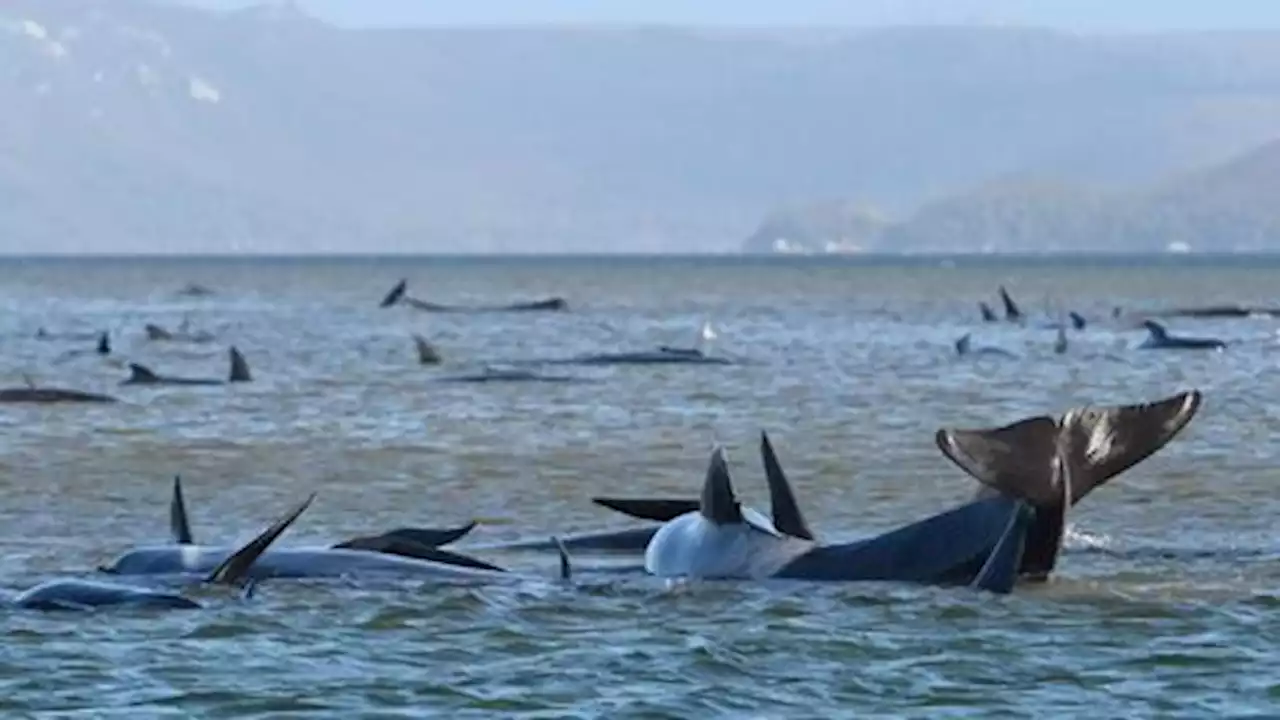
[(1227, 208), (128, 125)]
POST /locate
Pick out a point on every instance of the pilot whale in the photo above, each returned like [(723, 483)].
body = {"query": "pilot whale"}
[(143, 375), (421, 543), (1158, 338), (722, 540), (964, 346), (1099, 442), (399, 295), (50, 395), (85, 594)]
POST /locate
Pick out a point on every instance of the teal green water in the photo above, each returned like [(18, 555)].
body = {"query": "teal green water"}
[(1164, 604)]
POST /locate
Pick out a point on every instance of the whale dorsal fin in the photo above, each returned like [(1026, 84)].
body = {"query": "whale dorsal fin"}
[(787, 518), (1077, 320), (155, 332), (718, 503), (659, 509), (427, 354), (1158, 331), (962, 345), (142, 374), (1099, 443), (1060, 345), (566, 565), (239, 367), (104, 343), (396, 293), (1019, 460), (1011, 311), (179, 524), (235, 569), (988, 315), (30, 381)]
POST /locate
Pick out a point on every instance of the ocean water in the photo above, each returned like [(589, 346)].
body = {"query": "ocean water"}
[(1164, 603)]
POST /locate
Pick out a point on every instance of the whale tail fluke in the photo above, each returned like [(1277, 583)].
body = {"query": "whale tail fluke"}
[(235, 569), (141, 375), (1016, 460), (395, 295), (787, 517), (104, 343), (427, 354), (179, 524), (239, 367)]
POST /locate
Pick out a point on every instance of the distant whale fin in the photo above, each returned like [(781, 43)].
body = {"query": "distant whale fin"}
[(718, 503), (179, 524), (1077, 320), (234, 570), (566, 566), (432, 537), (1011, 311), (1158, 331), (427, 354), (1101, 442), (988, 315), (1019, 460), (1060, 345), (141, 374), (239, 367), (658, 509), (395, 295), (787, 518), (104, 343), (155, 332), (962, 345)]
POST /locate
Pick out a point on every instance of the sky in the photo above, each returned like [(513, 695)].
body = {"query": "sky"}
[(1079, 15)]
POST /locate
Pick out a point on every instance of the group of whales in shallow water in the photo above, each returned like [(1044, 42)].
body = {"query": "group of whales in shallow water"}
[(1031, 473), (1158, 336)]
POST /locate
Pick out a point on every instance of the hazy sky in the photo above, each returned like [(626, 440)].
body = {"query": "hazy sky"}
[(1086, 15)]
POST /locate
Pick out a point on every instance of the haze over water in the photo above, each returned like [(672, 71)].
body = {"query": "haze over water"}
[(1162, 604)]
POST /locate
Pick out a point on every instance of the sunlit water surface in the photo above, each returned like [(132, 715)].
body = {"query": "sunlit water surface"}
[(1164, 604)]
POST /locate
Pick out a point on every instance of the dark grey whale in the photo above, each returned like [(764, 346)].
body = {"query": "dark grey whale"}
[(421, 543), (398, 295), (50, 395), (1158, 338), (662, 355), (964, 347), (1098, 443), (490, 374), (84, 594), (43, 333), (982, 540), (143, 375)]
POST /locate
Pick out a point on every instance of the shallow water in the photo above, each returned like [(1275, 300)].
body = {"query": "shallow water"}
[(1162, 605)]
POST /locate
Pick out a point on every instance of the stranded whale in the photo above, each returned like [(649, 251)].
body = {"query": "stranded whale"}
[(81, 594), (1158, 338), (143, 375), (398, 295)]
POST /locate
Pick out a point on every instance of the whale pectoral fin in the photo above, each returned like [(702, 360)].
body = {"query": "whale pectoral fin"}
[(1101, 442), (141, 374), (432, 537), (234, 570), (566, 566), (179, 524), (396, 293), (717, 502), (403, 547), (239, 367), (658, 509), (1000, 571), (787, 518), (1018, 460)]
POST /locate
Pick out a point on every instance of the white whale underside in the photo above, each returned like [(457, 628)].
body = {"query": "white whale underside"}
[(692, 546)]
